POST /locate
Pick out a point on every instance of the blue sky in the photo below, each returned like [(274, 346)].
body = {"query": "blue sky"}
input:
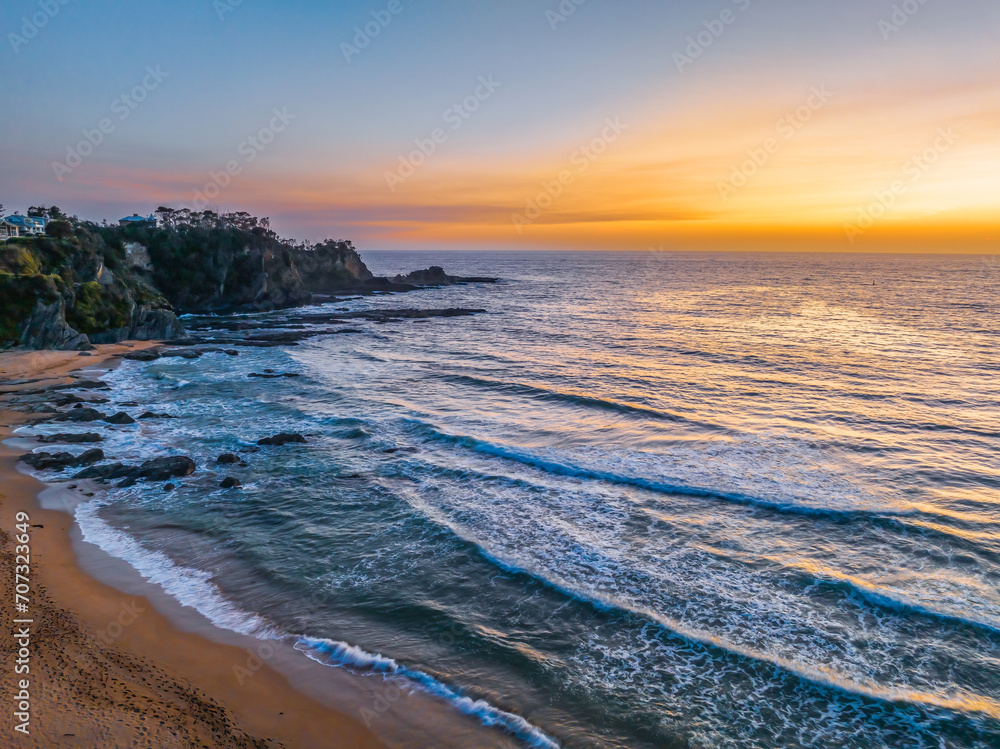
[(353, 120)]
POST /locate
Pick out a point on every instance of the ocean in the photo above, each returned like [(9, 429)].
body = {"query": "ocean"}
[(646, 499)]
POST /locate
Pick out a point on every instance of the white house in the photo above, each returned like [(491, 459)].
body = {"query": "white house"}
[(27, 225)]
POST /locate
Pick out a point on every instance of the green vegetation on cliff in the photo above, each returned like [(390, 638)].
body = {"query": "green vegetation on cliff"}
[(115, 282)]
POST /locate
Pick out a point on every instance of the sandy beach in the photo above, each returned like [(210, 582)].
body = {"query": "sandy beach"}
[(106, 669)]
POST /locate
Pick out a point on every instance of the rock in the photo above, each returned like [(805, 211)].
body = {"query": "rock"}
[(281, 439), (83, 385), (120, 418), (231, 352), (108, 471), (82, 414), (70, 438), (153, 415), (435, 276), (46, 328), (150, 324), (157, 469), (66, 398), (129, 404), (185, 353), (230, 483), (59, 461), (168, 487), (273, 376), (149, 354), (227, 458), (84, 353), (161, 469)]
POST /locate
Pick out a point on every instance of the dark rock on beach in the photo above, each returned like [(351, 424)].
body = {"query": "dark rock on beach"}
[(156, 469), (70, 438), (281, 439), (59, 461), (107, 471), (161, 469), (185, 353), (120, 418), (83, 385), (149, 354), (81, 414)]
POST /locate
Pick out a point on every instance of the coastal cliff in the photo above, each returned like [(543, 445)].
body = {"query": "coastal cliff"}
[(85, 283)]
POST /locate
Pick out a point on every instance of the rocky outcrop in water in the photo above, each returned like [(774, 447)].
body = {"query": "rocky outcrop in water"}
[(59, 461)]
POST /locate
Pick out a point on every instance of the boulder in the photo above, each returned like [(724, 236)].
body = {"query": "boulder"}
[(70, 438), (59, 461), (83, 385), (120, 418), (281, 439), (184, 353), (228, 458), (230, 483), (80, 414), (149, 354), (161, 469), (156, 469), (152, 415), (150, 324), (108, 471)]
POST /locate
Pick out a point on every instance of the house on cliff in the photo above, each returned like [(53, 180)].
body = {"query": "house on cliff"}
[(136, 220), (27, 225), (8, 230)]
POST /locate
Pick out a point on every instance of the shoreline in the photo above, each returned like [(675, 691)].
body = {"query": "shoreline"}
[(107, 667)]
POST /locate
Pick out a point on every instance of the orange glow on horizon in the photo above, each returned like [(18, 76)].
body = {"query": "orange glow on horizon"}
[(818, 170)]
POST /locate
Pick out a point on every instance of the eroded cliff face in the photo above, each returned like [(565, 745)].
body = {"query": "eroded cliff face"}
[(88, 284), (330, 267), (72, 291)]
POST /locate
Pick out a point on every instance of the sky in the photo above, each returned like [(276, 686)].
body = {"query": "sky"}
[(806, 125)]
